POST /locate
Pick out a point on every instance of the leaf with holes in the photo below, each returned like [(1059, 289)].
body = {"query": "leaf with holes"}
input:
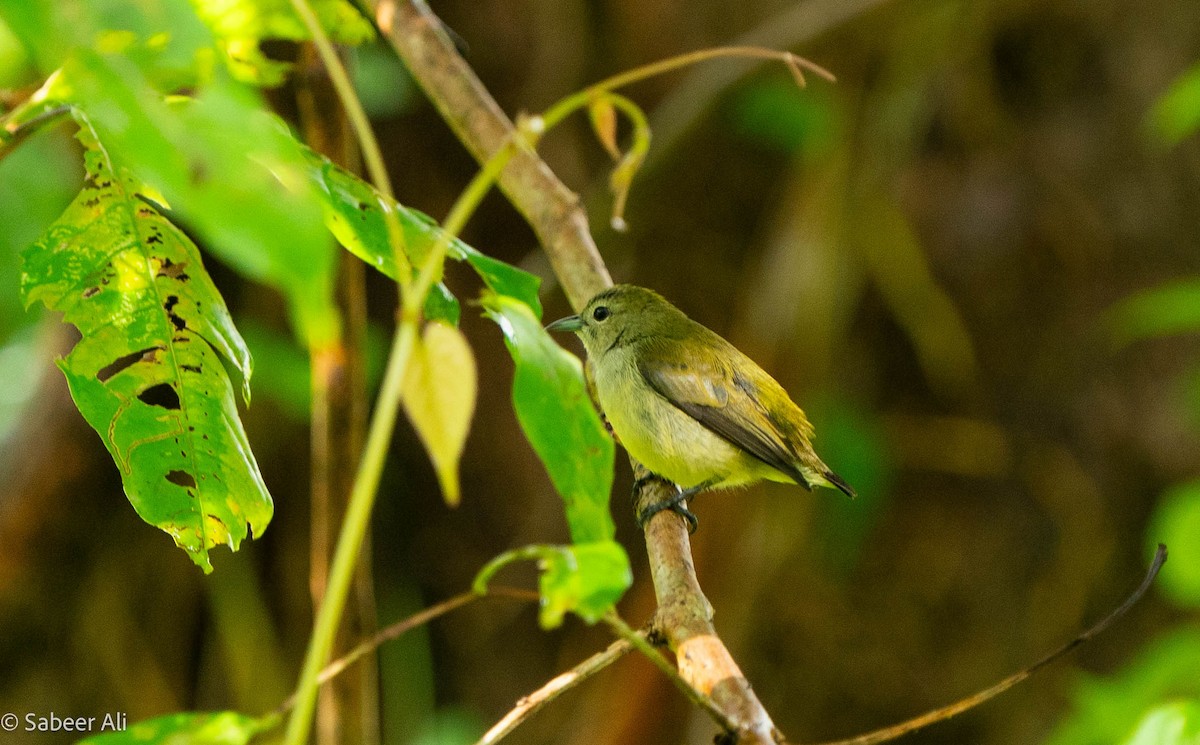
[(152, 372)]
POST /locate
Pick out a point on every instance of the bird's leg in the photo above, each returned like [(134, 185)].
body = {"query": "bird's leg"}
[(676, 503)]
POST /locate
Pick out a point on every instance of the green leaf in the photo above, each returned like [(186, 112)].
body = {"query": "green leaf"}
[(586, 578), (1176, 523), (354, 213), (1177, 114), (228, 168), (1161, 311), (242, 25), (1176, 723), (150, 372), (557, 415), (187, 728), (439, 398), (505, 279)]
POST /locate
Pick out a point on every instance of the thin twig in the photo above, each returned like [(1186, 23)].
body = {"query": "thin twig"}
[(555, 687), (13, 134), (970, 702), (700, 89), (403, 626)]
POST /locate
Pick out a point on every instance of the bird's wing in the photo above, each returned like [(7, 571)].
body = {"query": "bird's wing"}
[(707, 389)]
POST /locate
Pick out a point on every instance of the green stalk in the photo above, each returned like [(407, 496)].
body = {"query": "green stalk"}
[(460, 212), (575, 101)]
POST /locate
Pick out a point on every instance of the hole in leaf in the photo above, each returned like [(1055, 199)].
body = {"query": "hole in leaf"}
[(149, 354), (171, 269), (160, 395), (169, 307), (182, 478)]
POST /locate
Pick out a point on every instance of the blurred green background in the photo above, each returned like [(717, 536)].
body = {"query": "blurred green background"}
[(974, 260)]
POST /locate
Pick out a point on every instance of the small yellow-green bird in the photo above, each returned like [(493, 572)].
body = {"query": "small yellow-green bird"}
[(687, 404)]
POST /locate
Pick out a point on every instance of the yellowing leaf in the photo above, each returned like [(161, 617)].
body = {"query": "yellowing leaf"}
[(439, 398), (604, 121)]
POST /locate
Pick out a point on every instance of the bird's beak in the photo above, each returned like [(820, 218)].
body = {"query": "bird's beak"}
[(570, 323)]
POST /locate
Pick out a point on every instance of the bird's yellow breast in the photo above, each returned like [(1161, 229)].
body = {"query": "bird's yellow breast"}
[(665, 439)]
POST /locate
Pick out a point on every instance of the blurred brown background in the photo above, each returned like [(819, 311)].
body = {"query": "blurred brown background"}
[(922, 253)]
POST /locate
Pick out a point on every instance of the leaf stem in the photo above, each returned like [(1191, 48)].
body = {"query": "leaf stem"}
[(566, 106), (460, 212)]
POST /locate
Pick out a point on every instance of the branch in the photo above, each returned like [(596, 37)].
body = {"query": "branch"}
[(555, 687), (975, 699), (684, 618), (642, 644), (403, 626), (550, 208), (553, 212)]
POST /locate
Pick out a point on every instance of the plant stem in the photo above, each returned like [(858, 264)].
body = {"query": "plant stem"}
[(460, 212), (566, 106)]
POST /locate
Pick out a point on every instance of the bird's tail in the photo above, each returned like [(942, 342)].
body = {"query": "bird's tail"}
[(839, 483)]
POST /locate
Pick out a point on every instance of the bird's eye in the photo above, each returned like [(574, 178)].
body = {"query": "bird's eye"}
[(601, 313)]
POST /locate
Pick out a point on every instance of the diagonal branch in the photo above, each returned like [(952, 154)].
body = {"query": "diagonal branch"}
[(550, 208), (553, 212), (970, 702), (555, 687)]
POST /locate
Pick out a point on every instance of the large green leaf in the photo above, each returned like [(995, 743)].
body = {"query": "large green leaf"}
[(185, 728), (226, 167), (557, 415), (355, 214), (150, 372)]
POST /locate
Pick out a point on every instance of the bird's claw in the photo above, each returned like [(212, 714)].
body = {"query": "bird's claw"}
[(677, 504)]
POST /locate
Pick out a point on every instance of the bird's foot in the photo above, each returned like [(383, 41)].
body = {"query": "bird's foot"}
[(677, 504)]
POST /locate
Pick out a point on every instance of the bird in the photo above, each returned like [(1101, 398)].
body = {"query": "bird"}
[(687, 404)]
